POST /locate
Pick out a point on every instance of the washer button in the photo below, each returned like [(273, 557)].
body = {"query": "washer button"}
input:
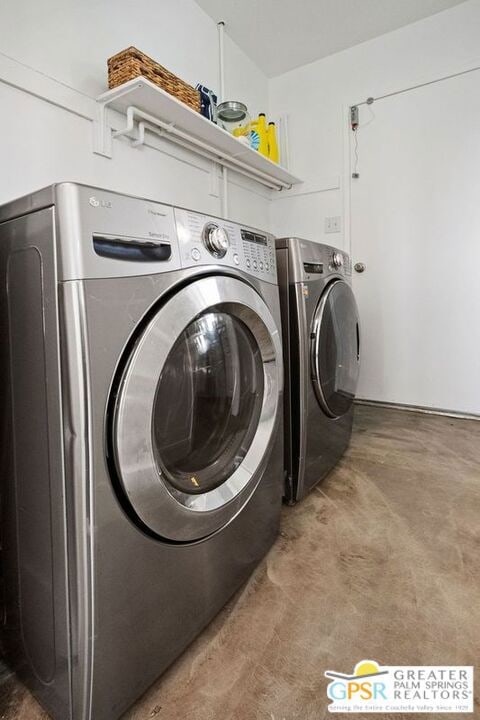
[(267, 267), (196, 254), (254, 264), (248, 262), (261, 265), (236, 259)]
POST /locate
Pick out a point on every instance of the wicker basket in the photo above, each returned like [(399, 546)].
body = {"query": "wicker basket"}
[(132, 63)]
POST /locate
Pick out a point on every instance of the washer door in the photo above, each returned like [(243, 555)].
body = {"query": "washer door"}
[(196, 408), (336, 349)]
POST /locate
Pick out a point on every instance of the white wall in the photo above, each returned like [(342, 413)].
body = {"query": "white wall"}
[(419, 344), (315, 98), (65, 44)]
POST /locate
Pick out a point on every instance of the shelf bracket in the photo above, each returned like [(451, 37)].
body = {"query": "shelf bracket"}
[(102, 132), (102, 129)]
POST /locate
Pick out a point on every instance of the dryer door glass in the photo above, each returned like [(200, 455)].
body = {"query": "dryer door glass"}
[(336, 349), (208, 402), (194, 409)]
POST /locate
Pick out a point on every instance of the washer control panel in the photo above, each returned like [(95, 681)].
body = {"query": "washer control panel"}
[(258, 252), (204, 240)]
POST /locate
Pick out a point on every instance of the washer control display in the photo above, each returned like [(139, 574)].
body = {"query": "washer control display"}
[(313, 268), (253, 237)]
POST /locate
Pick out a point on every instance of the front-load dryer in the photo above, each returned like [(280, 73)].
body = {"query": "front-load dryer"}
[(142, 435), (322, 359)]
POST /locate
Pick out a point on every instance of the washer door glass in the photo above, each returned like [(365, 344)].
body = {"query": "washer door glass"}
[(208, 402), (195, 409), (336, 349)]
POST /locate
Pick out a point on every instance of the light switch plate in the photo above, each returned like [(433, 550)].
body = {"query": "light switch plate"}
[(333, 224)]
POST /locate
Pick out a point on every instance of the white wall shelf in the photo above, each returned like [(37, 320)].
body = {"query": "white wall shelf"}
[(148, 107)]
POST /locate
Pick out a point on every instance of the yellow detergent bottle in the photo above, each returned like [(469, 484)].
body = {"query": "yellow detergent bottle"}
[(272, 142), (253, 136), (262, 133)]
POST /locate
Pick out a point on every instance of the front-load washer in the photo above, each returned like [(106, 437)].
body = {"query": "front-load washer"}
[(142, 438), (322, 359)]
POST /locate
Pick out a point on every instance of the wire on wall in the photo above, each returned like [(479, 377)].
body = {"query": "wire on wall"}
[(370, 100), (356, 126), (354, 120), (355, 112), (355, 173)]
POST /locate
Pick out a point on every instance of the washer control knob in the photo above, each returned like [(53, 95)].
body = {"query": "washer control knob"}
[(337, 260), (215, 239)]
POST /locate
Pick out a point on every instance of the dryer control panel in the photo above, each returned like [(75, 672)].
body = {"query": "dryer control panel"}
[(311, 261), (206, 240)]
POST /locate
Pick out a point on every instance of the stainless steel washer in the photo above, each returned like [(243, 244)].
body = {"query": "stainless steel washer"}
[(141, 432), (322, 359)]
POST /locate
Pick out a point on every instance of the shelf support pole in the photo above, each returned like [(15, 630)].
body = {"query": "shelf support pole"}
[(221, 64)]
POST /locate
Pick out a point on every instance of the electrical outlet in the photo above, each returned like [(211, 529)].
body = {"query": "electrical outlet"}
[(333, 224)]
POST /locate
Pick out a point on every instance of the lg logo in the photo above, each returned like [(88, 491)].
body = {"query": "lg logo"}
[(94, 202)]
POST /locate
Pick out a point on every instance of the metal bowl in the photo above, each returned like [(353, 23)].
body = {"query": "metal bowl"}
[(232, 111)]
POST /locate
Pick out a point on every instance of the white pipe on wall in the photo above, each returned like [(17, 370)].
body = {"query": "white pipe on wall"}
[(169, 129), (162, 130), (221, 60), (221, 65)]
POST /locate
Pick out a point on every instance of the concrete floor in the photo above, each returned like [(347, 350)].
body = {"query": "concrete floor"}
[(381, 561)]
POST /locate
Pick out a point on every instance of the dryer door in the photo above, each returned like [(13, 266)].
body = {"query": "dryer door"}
[(196, 408), (335, 357)]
